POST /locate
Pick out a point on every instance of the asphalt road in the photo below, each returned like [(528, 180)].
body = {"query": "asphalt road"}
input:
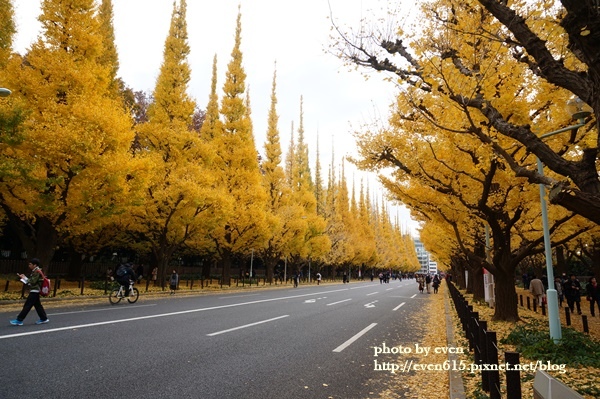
[(306, 342)]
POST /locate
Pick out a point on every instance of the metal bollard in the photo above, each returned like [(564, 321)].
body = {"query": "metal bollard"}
[(513, 377)]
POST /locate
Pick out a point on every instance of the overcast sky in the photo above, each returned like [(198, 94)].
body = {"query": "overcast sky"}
[(294, 34)]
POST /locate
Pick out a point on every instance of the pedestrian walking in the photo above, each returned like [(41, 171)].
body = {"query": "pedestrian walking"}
[(34, 281), (536, 286), (572, 291), (318, 278), (593, 295), (173, 281), (558, 285), (428, 283), (435, 284), (154, 276)]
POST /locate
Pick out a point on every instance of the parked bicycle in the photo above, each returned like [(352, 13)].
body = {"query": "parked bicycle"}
[(119, 293)]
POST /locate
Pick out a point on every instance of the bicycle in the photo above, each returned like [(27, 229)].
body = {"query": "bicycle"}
[(119, 293)]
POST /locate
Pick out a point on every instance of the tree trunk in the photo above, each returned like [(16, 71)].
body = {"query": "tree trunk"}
[(75, 265), (270, 264), (163, 257), (506, 297), (476, 286), (38, 239), (226, 261)]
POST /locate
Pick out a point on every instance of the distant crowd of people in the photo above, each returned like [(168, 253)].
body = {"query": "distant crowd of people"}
[(569, 289)]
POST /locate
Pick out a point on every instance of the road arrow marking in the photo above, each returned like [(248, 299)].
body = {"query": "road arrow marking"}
[(371, 304)]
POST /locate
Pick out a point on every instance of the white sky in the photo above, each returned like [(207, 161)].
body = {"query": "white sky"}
[(295, 34)]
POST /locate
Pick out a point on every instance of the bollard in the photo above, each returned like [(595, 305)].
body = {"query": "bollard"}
[(191, 283), (543, 306), (82, 284), (483, 356), (585, 324), (147, 284), (494, 375), (6, 287), (568, 316), (513, 376), (528, 303), (56, 285), (521, 299), (535, 305), (472, 329)]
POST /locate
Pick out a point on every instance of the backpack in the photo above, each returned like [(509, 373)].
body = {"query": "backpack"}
[(121, 271), (45, 288)]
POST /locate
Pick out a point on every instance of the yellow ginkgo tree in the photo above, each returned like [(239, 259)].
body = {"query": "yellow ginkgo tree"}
[(71, 165)]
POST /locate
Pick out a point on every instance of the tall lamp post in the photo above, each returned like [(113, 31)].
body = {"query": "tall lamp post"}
[(551, 293)]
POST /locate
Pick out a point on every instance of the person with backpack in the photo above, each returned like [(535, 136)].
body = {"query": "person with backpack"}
[(33, 299), (124, 275)]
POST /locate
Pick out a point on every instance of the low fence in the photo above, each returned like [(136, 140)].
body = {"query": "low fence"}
[(484, 345), (531, 303)]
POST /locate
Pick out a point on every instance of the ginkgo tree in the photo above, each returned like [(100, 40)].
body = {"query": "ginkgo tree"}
[(70, 166), (284, 214), (236, 169), (546, 51), (180, 202), (454, 64), (310, 242)]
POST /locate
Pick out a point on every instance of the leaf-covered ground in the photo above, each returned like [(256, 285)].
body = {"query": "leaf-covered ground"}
[(584, 379), (430, 384)]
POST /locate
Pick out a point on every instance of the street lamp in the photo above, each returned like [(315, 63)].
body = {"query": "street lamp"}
[(4, 92), (580, 113)]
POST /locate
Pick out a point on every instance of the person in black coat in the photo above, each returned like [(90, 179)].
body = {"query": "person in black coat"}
[(572, 291), (593, 295), (124, 275)]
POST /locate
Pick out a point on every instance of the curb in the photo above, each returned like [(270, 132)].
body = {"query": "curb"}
[(457, 389)]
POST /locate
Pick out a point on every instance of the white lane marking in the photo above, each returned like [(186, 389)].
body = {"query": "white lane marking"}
[(49, 330), (102, 310), (310, 301), (398, 307), (413, 296), (390, 289), (354, 338), (247, 325), (238, 296), (373, 293), (335, 303)]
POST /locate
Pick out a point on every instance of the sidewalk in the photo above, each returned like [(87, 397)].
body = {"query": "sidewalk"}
[(457, 389)]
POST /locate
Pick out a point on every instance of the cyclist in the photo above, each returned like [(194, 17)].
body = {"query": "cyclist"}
[(124, 275)]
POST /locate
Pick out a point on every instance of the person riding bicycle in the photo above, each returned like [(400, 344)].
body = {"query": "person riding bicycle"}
[(124, 275)]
